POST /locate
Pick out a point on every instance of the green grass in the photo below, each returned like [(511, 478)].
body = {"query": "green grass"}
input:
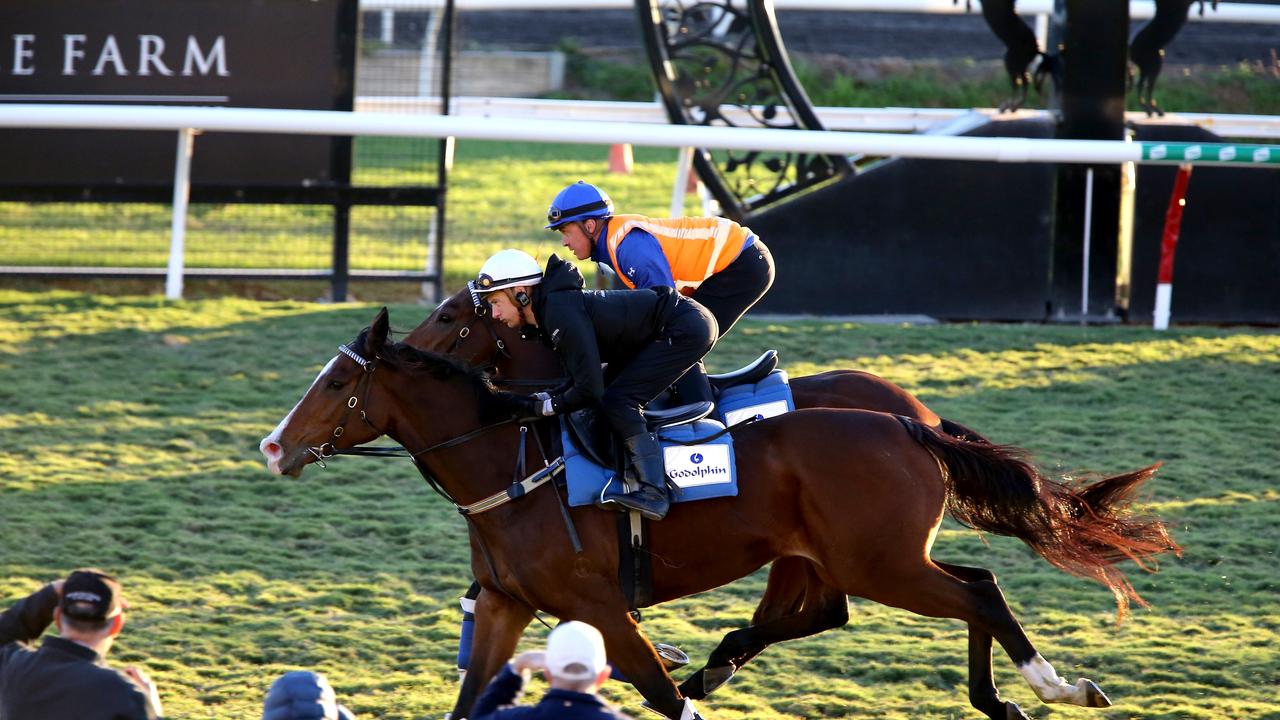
[(130, 428)]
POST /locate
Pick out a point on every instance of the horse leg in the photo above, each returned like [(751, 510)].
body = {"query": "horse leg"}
[(983, 694), (630, 651), (1020, 48), (926, 589), (499, 622), (783, 614)]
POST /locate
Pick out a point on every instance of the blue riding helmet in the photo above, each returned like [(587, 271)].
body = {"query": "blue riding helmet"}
[(579, 201)]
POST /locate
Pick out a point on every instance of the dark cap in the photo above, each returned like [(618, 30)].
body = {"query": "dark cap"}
[(91, 595)]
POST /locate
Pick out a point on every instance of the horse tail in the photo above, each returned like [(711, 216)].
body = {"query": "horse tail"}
[(956, 430), (1084, 530)]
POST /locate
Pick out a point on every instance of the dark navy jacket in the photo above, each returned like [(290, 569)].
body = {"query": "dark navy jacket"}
[(555, 705), (61, 680), (587, 327)]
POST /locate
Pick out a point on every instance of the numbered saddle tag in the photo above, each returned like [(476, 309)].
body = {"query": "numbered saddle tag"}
[(696, 465), (764, 410)]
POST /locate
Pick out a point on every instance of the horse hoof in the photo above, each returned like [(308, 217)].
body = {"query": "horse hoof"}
[(692, 687), (673, 658), (1013, 712), (658, 712), (713, 678), (1093, 695)]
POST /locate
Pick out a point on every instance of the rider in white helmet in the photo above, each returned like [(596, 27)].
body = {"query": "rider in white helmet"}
[(648, 337)]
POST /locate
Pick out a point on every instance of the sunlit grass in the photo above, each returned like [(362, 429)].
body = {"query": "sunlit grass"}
[(130, 429)]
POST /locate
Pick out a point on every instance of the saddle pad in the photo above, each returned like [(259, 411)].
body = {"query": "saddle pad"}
[(767, 398), (700, 471)]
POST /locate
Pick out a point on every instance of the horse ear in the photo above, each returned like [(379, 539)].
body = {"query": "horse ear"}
[(377, 336)]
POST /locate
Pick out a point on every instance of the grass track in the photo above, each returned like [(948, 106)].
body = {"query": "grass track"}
[(130, 428)]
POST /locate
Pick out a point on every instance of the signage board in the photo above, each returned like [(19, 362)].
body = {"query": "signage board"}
[(297, 54)]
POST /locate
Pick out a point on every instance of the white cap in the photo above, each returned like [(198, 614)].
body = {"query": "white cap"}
[(575, 651)]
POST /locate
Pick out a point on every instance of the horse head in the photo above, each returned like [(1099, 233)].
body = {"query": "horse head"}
[(340, 410), (376, 387), (461, 326)]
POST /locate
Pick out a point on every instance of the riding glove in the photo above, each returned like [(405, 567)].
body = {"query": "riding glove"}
[(542, 404)]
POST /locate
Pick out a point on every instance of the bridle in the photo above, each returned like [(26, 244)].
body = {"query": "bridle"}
[(357, 401), (328, 449), (500, 346)]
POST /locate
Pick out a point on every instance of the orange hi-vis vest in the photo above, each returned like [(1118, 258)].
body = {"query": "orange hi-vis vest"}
[(696, 247)]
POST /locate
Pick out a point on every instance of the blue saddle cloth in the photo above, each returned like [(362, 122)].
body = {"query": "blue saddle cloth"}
[(700, 471)]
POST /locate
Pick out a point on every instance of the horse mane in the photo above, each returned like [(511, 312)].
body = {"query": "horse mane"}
[(492, 403)]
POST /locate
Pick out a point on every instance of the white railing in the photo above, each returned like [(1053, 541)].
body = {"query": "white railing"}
[(188, 120), (1138, 9), (833, 118), (318, 122)]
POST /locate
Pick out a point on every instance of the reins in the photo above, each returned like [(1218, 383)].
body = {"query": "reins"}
[(518, 488)]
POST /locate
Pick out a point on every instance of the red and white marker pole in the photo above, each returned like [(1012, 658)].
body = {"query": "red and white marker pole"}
[(1168, 245)]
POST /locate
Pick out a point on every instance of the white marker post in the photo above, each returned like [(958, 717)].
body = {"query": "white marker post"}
[(181, 194)]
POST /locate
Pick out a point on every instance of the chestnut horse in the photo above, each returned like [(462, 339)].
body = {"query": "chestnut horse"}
[(867, 531), (462, 327)]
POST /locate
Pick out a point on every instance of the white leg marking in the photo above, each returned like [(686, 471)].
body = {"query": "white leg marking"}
[(273, 462), (1049, 686)]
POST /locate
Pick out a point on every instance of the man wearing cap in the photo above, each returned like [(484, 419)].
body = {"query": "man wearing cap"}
[(68, 677), (575, 668)]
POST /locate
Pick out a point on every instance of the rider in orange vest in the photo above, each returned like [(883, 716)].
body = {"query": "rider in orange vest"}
[(719, 263)]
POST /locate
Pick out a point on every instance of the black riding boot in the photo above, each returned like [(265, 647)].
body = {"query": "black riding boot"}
[(650, 500)]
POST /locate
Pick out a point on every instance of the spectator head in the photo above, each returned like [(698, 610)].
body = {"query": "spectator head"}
[(303, 695), (575, 657), (91, 609)]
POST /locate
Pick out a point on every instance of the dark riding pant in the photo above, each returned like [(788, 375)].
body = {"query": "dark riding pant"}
[(730, 293), (688, 335)]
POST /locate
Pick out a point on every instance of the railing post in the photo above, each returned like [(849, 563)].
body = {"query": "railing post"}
[(1088, 245), (178, 227), (684, 162)]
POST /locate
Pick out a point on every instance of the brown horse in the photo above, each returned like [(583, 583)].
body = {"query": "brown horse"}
[(866, 531), (461, 326)]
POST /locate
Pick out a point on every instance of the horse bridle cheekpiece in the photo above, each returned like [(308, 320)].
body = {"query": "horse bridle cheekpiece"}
[(481, 310), (328, 449)]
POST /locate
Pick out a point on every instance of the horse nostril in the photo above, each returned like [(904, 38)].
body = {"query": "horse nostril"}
[(271, 449)]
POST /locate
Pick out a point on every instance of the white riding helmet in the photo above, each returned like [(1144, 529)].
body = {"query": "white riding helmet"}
[(507, 268)]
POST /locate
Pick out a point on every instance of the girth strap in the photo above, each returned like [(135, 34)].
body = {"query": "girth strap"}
[(515, 490), (635, 569)]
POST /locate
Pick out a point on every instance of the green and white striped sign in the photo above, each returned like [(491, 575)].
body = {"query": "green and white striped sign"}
[(1211, 152)]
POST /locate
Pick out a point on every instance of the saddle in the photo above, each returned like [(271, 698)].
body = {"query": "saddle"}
[(734, 392), (753, 372), (594, 440)]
